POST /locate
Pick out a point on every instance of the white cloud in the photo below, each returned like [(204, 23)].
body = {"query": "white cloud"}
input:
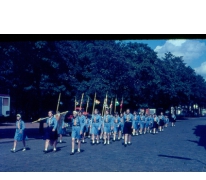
[(201, 70), (189, 49)]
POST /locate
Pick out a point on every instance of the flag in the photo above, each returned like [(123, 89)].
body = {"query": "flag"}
[(121, 105), (110, 105)]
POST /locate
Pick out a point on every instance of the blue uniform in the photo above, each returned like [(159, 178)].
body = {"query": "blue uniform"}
[(147, 121), (60, 125), (166, 120), (128, 124), (87, 124), (151, 119), (96, 124), (76, 128), (121, 123), (82, 120), (142, 121), (116, 124), (107, 121), (19, 133), (51, 125), (135, 122), (162, 120)]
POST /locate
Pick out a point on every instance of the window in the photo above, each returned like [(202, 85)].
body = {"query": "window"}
[(5, 101)]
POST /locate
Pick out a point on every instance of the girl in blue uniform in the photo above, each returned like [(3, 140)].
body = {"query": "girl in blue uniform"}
[(60, 125), (107, 120), (51, 135), (161, 122), (121, 135), (142, 122), (95, 126), (76, 132), (19, 133), (155, 124), (87, 126), (151, 121), (173, 119), (147, 123), (166, 121), (127, 127), (135, 123), (82, 119), (115, 125)]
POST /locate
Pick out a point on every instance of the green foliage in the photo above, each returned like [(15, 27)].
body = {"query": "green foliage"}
[(35, 72)]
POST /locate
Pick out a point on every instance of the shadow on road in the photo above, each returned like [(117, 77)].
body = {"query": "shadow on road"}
[(182, 158), (200, 131)]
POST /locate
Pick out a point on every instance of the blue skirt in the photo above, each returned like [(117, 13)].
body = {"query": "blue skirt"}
[(107, 127), (20, 136), (94, 129), (76, 132)]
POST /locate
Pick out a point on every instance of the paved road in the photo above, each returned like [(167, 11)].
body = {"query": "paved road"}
[(178, 149)]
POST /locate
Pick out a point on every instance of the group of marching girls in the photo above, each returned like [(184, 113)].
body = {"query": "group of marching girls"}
[(110, 126)]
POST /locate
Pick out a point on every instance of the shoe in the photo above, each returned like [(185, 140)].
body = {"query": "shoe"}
[(83, 141), (129, 143), (45, 151), (122, 137), (78, 151), (137, 134), (60, 141), (24, 149), (105, 143), (125, 145), (13, 150), (54, 150), (97, 142), (108, 142), (113, 140), (72, 153), (93, 143)]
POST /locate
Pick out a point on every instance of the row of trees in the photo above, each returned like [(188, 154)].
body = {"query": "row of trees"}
[(35, 72)]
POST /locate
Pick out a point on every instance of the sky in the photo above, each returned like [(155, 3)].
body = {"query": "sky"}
[(192, 50)]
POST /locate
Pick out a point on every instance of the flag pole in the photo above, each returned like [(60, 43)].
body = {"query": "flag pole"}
[(58, 102), (94, 103), (81, 101), (115, 104), (75, 103), (87, 104)]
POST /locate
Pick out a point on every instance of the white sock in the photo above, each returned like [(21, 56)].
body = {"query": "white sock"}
[(72, 150), (78, 150)]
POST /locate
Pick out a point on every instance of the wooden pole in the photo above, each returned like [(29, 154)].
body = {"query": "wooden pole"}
[(75, 103), (81, 101), (87, 104), (40, 119), (58, 102), (94, 103)]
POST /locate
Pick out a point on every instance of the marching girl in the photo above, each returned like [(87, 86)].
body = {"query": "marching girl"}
[(87, 126), (82, 119), (155, 124), (60, 125), (173, 119), (19, 134), (95, 126), (76, 132), (127, 128), (142, 122), (51, 135), (161, 122), (166, 121), (147, 124), (115, 125), (151, 121), (121, 135), (135, 123), (107, 121)]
